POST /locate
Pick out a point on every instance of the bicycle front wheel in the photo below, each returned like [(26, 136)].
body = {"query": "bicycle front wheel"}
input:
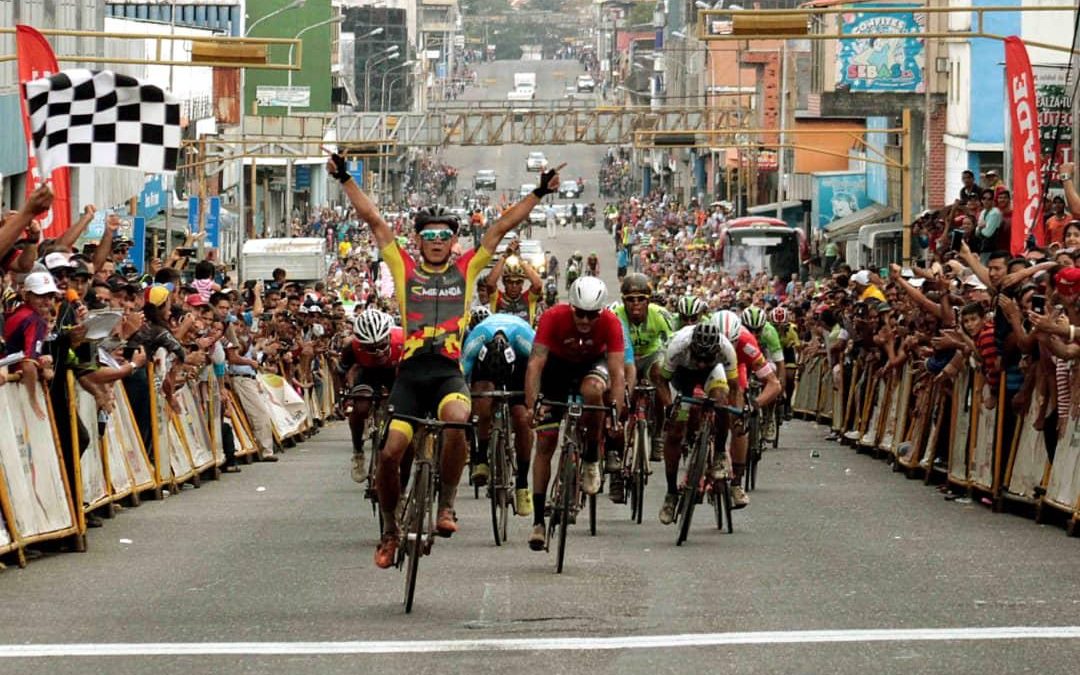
[(497, 491), (416, 530), (639, 471), (694, 471), (568, 491)]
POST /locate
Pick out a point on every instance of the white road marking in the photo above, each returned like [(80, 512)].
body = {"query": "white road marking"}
[(540, 644)]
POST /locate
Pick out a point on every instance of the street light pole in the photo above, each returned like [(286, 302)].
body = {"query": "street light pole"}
[(288, 113), (241, 226), (388, 54)]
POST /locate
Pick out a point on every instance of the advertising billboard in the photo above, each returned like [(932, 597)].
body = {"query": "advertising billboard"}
[(875, 64), (837, 194)]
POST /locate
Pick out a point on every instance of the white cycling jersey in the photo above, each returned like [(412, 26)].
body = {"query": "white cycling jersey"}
[(677, 355)]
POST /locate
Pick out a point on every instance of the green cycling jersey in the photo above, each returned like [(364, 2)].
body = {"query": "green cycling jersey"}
[(769, 341), (650, 336)]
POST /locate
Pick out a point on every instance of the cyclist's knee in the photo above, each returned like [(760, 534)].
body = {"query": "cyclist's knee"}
[(592, 390), (454, 407)]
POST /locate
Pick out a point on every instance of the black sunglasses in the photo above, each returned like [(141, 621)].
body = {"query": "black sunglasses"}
[(586, 314)]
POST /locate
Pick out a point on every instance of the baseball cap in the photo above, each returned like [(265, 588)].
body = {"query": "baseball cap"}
[(1067, 281), (56, 260), (156, 295), (195, 300), (40, 283), (974, 283), (862, 277), (79, 269)]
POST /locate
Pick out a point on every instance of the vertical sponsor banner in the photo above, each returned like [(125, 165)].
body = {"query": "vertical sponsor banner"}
[(1024, 137), (36, 60)]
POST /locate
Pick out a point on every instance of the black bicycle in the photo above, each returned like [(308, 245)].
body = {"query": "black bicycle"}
[(567, 496), (638, 445), (417, 529), (702, 453), (501, 459), (374, 434), (755, 440)]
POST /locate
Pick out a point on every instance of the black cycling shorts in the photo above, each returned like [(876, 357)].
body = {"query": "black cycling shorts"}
[(515, 382), (424, 383), (562, 379), (377, 378)]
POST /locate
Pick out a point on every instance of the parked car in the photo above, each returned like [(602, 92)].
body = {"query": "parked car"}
[(536, 161), (526, 188), (570, 189), (484, 180), (585, 83)]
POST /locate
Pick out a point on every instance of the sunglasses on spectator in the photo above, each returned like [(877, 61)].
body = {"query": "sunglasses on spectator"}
[(635, 298), (441, 234), (590, 315)]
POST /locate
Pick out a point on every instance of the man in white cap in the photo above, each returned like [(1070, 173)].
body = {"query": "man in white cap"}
[(26, 329), (60, 267), (864, 287)]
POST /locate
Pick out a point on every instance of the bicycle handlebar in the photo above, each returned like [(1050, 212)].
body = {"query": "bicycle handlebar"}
[(710, 404), (369, 393), (432, 423), (497, 394)]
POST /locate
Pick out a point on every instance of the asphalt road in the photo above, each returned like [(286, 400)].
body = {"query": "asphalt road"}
[(270, 571)]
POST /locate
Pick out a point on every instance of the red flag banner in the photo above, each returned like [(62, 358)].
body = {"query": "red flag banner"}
[(1024, 131), (36, 60)]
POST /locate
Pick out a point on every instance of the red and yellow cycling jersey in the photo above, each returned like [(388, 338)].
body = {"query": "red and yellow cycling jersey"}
[(434, 303), (524, 306)]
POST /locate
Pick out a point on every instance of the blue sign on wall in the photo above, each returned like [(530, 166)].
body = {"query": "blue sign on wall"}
[(213, 222), (356, 170), (153, 198), (881, 64), (138, 245), (303, 177), (836, 195), (193, 214)]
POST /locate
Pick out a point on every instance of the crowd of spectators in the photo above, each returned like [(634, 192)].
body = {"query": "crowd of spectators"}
[(188, 313), (1013, 319)]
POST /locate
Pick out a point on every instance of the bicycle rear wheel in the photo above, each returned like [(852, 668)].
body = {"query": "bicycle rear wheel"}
[(568, 491), (688, 498), (415, 532), (592, 515), (497, 490)]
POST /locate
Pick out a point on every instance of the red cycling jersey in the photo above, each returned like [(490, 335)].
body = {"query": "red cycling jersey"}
[(560, 335), (385, 359), (748, 353)]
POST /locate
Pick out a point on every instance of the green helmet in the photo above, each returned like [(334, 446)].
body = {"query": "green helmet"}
[(753, 317)]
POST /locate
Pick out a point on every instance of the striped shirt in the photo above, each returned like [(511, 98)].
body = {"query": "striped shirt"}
[(988, 354)]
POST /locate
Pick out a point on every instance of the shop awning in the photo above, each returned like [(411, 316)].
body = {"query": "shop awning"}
[(847, 228)]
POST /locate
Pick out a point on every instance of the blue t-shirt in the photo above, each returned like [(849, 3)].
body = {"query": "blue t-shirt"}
[(624, 258), (518, 333)]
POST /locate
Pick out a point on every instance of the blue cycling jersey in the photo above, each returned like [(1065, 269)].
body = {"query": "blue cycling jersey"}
[(518, 333)]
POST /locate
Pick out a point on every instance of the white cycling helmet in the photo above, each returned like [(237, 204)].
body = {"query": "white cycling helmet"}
[(730, 324), (588, 294), (372, 326)]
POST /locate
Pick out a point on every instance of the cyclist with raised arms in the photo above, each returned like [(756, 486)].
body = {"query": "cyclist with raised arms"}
[(578, 350), (514, 298), (488, 365), (433, 295), (369, 364), (697, 356), (751, 360), (649, 327)]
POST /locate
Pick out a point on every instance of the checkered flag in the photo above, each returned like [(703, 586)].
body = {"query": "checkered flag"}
[(101, 118)]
